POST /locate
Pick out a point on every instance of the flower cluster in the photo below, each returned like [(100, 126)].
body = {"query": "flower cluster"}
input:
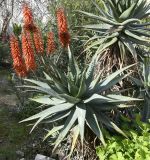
[(28, 51), (32, 41), (38, 42), (28, 19), (18, 63), (51, 46), (63, 33)]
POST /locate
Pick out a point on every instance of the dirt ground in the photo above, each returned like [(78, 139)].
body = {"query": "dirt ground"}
[(15, 140)]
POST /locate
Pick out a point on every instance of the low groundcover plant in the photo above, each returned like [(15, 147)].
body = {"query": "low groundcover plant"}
[(137, 147)]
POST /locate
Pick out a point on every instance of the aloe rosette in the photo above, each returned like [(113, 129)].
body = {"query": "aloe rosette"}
[(79, 98), (119, 26)]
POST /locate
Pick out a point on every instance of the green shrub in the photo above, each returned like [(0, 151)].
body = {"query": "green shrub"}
[(135, 148)]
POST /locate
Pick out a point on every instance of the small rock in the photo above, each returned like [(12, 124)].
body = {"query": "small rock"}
[(20, 153), (22, 159), (42, 157)]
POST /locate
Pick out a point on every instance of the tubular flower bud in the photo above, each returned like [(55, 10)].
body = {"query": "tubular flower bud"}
[(28, 19), (38, 42), (18, 63), (63, 33), (51, 46), (28, 52)]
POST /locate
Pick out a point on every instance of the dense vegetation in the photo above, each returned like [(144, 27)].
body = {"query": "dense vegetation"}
[(89, 69)]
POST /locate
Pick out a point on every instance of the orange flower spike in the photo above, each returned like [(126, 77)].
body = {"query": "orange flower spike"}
[(28, 19), (63, 32), (51, 46), (38, 42), (28, 52), (18, 63)]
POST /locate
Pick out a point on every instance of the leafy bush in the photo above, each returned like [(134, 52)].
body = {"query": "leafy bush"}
[(135, 148)]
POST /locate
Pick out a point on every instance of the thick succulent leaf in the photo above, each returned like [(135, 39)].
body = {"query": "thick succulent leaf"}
[(59, 74), (132, 20), (98, 26), (92, 122), (50, 111), (96, 43), (96, 80), (130, 47), (56, 117), (112, 83), (72, 88), (70, 98), (105, 120), (81, 109), (139, 42), (141, 25), (90, 70), (47, 100), (52, 131), (48, 91), (106, 45), (47, 77), (120, 98), (96, 98), (140, 5), (75, 135), (103, 43), (114, 75), (140, 32), (113, 9), (82, 87), (103, 13), (110, 80), (91, 39), (126, 14), (38, 83), (129, 33), (67, 127), (142, 8), (73, 66), (103, 19), (122, 50)]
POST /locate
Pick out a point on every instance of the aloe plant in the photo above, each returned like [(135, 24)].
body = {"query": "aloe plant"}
[(143, 85), (77, 98), (119, 27)]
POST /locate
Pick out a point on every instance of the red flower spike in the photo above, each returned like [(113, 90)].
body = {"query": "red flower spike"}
[(63, 32), (38, 42), (18, 63), (51, 46), (28, 19), (28, 52)]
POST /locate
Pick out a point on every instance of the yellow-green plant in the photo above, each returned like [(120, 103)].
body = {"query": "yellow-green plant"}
[(137, 147)]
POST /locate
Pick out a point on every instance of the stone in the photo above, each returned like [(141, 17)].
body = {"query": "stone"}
[(42, 157), (20, 153)]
